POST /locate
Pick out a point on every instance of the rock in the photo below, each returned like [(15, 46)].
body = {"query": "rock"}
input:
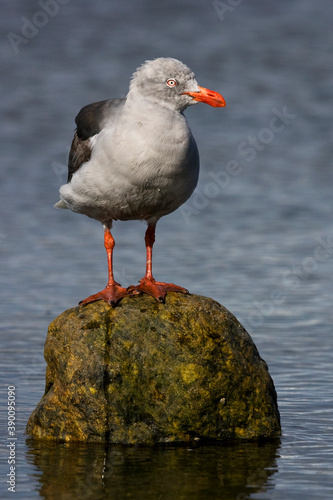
[(146, 372)]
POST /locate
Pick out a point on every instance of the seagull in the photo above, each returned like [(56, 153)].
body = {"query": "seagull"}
[(135, 158)]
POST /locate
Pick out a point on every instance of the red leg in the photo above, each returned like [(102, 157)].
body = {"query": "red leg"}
[(156, 289), (113, 292)]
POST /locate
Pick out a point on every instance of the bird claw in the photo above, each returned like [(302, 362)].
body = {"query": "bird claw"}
[(111, 294), (156, 289)]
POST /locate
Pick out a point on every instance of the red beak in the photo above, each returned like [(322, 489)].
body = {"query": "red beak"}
[(208, 96)]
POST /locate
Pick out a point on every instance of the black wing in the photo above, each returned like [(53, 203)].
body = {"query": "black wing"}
[(89, 122)]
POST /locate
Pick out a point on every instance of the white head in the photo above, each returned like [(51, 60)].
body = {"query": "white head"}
[(170, 83)]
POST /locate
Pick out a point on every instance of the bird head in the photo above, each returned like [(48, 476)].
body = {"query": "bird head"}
[(170, 83)]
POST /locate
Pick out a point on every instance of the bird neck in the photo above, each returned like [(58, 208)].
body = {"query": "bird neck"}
[(136, 100)]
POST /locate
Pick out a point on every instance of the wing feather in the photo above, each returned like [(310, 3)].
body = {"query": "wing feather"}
[(89, 122)]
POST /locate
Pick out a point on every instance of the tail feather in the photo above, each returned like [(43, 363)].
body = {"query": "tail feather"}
[(60, 204)]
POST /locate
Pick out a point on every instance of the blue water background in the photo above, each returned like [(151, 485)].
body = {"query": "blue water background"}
[(257, 236)]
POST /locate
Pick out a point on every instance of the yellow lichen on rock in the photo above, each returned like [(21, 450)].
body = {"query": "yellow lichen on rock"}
[(147, 372)]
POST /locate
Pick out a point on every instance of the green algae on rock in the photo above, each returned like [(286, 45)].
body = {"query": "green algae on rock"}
[(146, 373)]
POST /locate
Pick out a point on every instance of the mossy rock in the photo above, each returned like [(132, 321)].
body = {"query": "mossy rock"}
[(146, 372)]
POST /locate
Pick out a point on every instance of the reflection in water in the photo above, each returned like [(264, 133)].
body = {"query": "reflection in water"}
[(93, 471)]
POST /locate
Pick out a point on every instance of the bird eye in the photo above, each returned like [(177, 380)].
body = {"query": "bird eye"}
[(171, 82)]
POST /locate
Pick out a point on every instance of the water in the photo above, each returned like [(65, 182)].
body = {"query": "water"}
[(257, 236)]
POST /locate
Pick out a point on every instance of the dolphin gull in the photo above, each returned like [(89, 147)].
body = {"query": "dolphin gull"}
[(136, 159)]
